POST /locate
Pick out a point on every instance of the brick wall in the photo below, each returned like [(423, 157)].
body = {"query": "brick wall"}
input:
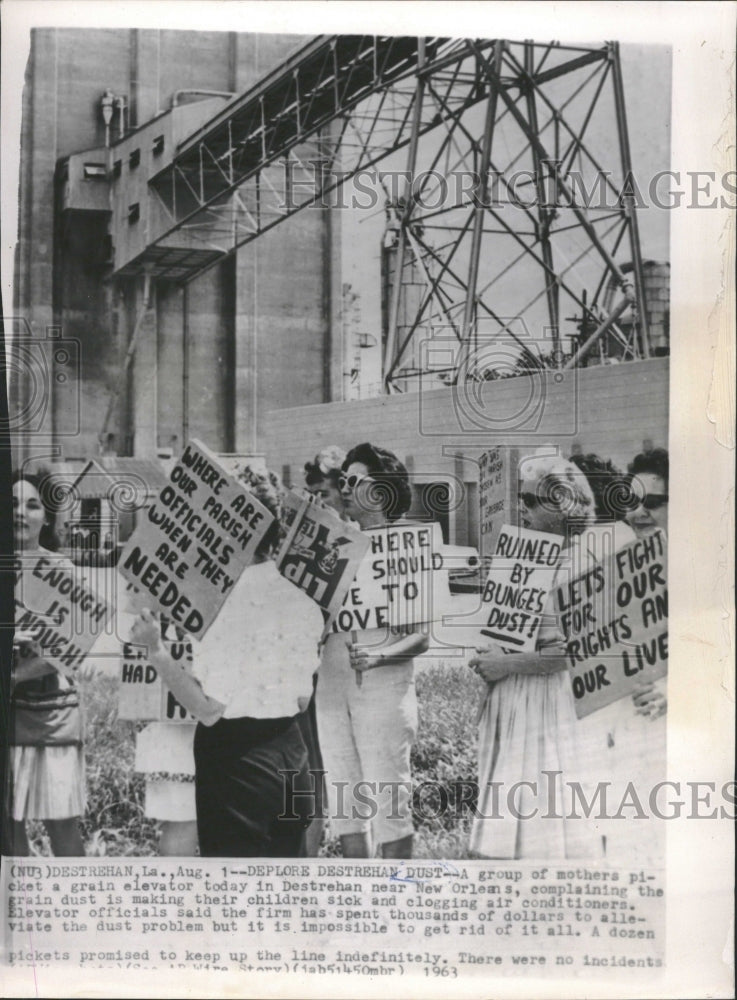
[(608, 410)]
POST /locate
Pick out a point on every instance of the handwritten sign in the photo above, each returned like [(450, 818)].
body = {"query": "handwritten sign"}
[(56, 607), (320, 553), (615, 621), (194, 541), (497, 495), (402, 580), (520, 578), (142, 694)]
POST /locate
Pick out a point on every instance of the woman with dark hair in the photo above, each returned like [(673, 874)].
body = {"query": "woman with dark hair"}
[(610, 487), (649, 473), (635, 727), (45, 743), (250, 672), (322, 478), (528, 726), (366, 703)]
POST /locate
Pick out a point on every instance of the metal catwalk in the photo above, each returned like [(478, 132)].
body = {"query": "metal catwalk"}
[(508, 182)]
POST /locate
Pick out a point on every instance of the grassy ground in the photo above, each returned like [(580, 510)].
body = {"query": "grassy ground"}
[(443, 756)]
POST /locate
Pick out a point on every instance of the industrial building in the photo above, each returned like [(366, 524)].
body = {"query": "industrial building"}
[(183, 253)]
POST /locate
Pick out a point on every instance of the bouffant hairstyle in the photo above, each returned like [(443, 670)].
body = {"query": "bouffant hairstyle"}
[(42, 482), (325, 466), (389, 475), (561, 486), (654, 463), (613, 498), (268, 490)]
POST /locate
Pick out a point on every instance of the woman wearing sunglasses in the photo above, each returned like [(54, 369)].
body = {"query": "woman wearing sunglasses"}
[(528, 725), (619, 743), (366, 704), (637, 752), (649, 481)]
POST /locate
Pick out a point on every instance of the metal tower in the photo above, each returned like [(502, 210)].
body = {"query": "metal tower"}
[(508, 183)]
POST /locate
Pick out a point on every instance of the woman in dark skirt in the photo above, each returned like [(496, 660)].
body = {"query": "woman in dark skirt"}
[(250, 671)]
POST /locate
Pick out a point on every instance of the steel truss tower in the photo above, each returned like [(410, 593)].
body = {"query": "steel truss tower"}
[(509, 186)]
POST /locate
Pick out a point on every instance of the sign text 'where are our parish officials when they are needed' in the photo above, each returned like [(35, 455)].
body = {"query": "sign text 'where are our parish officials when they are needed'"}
[(194, 540)]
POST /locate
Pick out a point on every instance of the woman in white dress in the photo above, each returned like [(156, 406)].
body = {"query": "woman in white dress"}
[(366, 700), (528, 747), (165, 755)]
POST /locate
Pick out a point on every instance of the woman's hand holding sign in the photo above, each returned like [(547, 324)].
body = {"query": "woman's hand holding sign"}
[(649, 701), (489, 664), (28, 660), (364, 658), (493, 664), (146, 631)]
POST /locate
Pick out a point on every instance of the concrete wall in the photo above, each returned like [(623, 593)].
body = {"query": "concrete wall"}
[(608, 410), (272, 303)]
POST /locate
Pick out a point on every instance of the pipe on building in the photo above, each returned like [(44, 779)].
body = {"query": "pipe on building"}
[(200, 93)]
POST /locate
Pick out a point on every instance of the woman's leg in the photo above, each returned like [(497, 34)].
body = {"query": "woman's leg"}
[(66, 837), (178, 839), (401, 848), (19, 847), (355, 845), (385, 727)]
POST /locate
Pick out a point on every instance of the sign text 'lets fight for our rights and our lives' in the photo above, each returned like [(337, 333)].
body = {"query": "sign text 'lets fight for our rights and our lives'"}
[(615, 620)]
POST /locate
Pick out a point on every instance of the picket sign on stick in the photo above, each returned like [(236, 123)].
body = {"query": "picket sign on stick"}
[(520, 578), (614, 618), (402, 581), (320, 553), (194, 540), (57, 608)]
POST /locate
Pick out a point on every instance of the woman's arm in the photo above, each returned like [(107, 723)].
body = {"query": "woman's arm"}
[(185, 688), (492, 664), (29, 663), (388, 653)]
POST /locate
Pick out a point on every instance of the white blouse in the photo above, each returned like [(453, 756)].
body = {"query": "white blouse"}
[(260, 653)]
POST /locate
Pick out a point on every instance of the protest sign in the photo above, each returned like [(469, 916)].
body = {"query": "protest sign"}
[(498, 470), (143, 695), (56, 607), (520, 578), (194, 541), (614, 618), (320, 553), (402, 580)]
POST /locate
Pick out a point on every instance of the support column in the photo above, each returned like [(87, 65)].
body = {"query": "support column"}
[(144, 368), (246, 347)]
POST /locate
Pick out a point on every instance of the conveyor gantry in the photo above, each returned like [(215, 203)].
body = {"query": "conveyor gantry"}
[(474, 107)]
